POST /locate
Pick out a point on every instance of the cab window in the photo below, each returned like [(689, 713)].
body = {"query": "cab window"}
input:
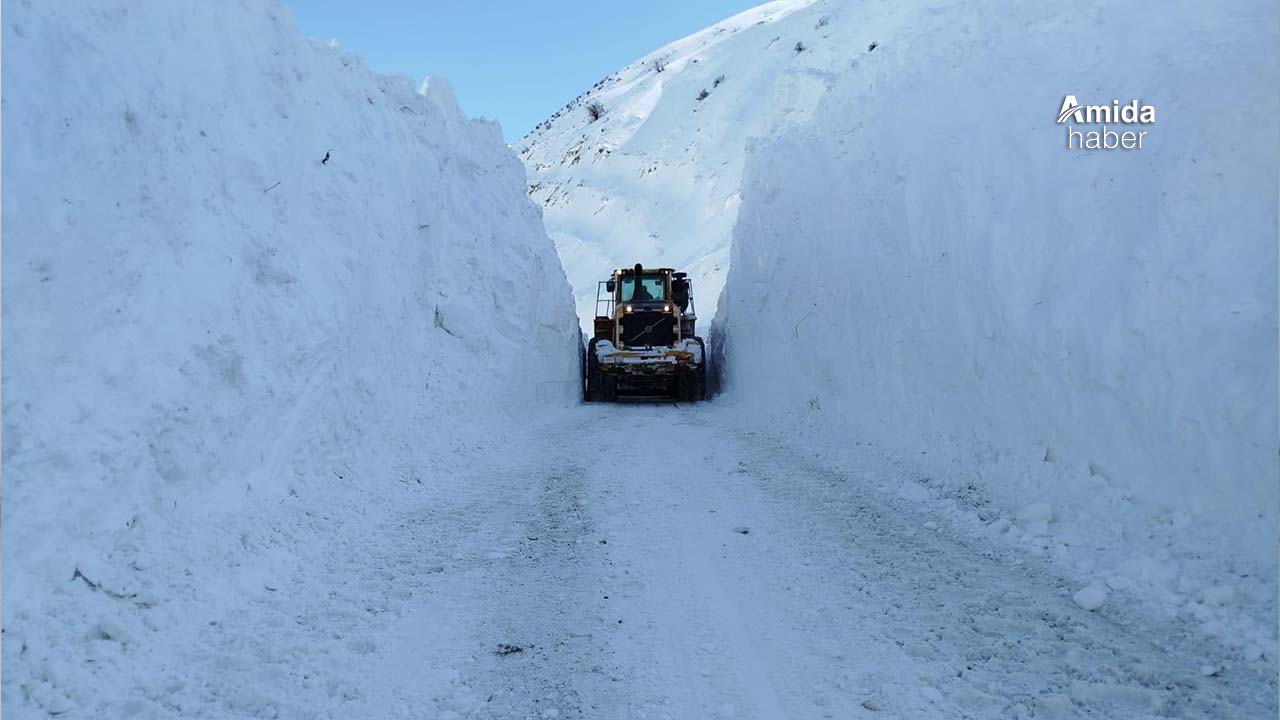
[(651, 288)]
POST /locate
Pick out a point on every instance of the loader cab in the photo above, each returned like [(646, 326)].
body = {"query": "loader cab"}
[(642, 307)]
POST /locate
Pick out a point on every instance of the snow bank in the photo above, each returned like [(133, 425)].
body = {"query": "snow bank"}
[(252, 293), (926, 268)]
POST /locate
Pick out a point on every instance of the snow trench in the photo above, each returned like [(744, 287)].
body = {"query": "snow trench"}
[(275, 328)]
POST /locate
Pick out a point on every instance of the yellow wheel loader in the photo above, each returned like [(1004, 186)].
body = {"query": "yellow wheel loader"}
[(644, 345)]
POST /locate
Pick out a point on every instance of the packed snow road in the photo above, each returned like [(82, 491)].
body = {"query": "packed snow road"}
[(653, 561)]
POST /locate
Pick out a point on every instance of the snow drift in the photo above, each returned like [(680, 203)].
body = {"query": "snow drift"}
[(250, 289), (1078, 347)]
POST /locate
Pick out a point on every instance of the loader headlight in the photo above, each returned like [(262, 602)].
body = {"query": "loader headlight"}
[(628, 308), (666, 308)]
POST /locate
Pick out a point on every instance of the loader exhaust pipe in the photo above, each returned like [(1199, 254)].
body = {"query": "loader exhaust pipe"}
[(636, 289)]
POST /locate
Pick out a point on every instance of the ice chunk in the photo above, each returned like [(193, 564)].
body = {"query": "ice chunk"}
[(1091, 597), (913, 491), (1202, 613)]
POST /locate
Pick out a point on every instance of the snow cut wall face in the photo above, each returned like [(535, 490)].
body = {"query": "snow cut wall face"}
[(200, 310), (927, 267)]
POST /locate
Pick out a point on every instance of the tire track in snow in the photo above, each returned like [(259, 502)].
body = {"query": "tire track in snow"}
[(525, 563), (539, 597), (1000, 638)]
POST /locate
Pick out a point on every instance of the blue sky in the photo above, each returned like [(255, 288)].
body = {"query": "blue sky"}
[(512, 61)]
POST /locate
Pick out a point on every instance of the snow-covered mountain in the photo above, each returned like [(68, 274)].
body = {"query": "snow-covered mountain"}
[(1075, 348), (255, 296), (655, 178)]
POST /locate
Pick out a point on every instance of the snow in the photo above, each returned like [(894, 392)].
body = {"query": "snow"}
[(1217, 594), (289, 368), (1083, 343), (1091, 597), (227, 359), (656, 179), (638, 594), (1036, 512), (607, 352)]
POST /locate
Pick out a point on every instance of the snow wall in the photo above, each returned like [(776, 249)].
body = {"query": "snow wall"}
[(218, 346), (925, 269)]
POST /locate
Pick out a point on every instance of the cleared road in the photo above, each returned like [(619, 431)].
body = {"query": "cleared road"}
[(656, 561)]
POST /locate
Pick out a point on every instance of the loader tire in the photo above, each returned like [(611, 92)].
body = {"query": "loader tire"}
[(601, 386), (604, 387), (691, 387)]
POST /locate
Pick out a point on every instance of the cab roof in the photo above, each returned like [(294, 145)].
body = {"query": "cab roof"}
[(645, 271)]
